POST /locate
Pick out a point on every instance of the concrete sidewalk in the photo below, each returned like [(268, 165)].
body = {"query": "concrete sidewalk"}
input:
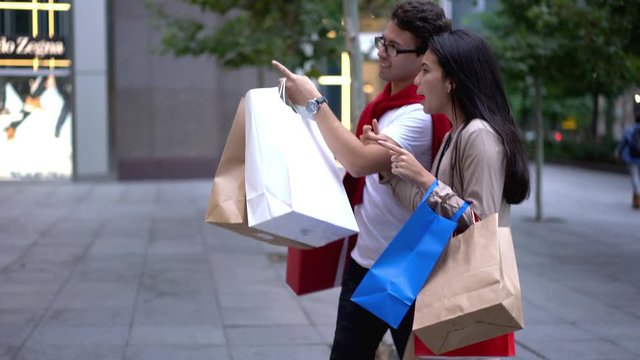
[(128, 270)]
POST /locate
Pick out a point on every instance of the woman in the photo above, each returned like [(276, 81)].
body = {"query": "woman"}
[(482, 160)]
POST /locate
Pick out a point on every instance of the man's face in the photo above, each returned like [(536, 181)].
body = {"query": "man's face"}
[(403, 67)]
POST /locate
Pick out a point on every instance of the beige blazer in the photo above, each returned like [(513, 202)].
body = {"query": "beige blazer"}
[(472, 168)]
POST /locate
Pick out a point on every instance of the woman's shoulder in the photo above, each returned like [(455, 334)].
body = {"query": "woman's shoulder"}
[(479, 134), (478, 124), (480, 128)]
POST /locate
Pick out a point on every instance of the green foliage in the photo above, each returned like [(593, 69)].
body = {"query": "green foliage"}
[(575, 48), (585, 46), (522, 34), (575, 150), (595, 46), (558, 108), (255, 32), (601, 152)]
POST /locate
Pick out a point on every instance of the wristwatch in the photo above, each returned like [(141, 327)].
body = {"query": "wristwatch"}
[(313, 106)]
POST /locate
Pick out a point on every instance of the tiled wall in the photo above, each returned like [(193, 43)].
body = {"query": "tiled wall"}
[(170, 116)]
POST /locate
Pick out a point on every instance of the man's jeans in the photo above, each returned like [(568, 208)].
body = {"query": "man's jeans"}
[(359, 332)]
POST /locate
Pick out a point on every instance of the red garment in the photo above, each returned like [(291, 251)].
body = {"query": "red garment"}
[(374, 110), (503, 345)]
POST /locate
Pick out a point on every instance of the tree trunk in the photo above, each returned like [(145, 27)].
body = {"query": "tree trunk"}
[(524, 109), (537, 89), (352, 29), (609, 117), (594, 116)]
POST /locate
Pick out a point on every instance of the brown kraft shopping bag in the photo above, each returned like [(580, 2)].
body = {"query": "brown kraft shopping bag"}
[(227, 202), (473, 294)]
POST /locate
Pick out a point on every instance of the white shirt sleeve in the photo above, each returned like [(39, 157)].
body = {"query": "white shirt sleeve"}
[(410, 127)]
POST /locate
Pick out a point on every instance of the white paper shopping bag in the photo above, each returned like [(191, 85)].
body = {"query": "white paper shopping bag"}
[(293, 185)]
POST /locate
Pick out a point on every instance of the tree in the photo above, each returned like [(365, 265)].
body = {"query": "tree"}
[(576, 47), (599, 51), (304, 35), (520, 34), (300, 34)]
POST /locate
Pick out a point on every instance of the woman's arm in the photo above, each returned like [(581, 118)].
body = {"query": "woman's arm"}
[(406, 166), (481, 157)]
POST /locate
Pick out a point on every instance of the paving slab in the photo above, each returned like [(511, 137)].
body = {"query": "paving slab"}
[(129, 270)]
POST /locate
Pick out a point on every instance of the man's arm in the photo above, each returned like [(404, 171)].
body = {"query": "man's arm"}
[(357, 158)]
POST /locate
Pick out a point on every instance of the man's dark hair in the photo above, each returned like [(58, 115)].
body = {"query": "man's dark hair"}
[(422, 18)]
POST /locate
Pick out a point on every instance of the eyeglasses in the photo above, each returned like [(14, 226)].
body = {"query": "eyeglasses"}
[(392, 50)]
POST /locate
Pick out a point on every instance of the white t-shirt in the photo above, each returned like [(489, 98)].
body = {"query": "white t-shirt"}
[(380, 216)]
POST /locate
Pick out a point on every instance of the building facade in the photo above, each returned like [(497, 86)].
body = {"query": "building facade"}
[(85, 94), (169, 116)]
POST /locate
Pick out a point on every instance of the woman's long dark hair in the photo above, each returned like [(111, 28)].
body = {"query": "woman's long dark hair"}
[(466, 59)]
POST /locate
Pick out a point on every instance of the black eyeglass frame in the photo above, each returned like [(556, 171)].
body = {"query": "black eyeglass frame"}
[(379, 42)]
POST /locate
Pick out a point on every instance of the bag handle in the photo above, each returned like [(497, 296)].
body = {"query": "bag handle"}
[(458, 213), (429, 191), (282, 90), (282, 93)]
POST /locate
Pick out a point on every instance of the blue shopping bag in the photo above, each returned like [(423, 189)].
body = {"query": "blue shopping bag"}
[(395, 279)]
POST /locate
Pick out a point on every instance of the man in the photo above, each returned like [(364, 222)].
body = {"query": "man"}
[(401, 119), (628, 150)]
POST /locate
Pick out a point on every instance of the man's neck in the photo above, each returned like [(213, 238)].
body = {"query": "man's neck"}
[(397, 86)]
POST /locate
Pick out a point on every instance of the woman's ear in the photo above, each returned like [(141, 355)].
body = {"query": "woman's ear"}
[(450, 86)]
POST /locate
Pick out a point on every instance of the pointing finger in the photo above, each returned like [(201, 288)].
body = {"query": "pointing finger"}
[(390, 146), (283, 69)]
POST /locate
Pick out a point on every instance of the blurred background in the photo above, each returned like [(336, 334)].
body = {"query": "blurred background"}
[(147, 89)]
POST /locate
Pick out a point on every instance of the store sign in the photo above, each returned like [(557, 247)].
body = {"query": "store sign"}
[(27, 47)]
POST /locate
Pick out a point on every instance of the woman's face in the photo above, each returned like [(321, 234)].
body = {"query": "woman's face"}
[(433, 86)]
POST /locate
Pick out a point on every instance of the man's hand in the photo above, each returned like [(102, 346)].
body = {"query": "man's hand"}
[(371, 134), (299, 88)]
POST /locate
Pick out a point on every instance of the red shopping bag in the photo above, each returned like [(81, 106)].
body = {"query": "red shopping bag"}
[(319, 268), (499, 346)]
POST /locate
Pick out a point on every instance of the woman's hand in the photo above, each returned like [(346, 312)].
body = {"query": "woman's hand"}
[(300, 88), (405, 165), (371, 134)]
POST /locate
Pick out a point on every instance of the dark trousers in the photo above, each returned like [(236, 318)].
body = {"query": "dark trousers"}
[(359, 332)]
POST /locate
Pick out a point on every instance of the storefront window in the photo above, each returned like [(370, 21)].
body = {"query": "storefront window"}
[(35, 91)]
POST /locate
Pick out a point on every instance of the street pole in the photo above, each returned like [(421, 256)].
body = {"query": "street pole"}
[(352, 29), (537, 89)]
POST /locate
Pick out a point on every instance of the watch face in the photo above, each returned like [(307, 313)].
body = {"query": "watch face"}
[(312, 107)]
